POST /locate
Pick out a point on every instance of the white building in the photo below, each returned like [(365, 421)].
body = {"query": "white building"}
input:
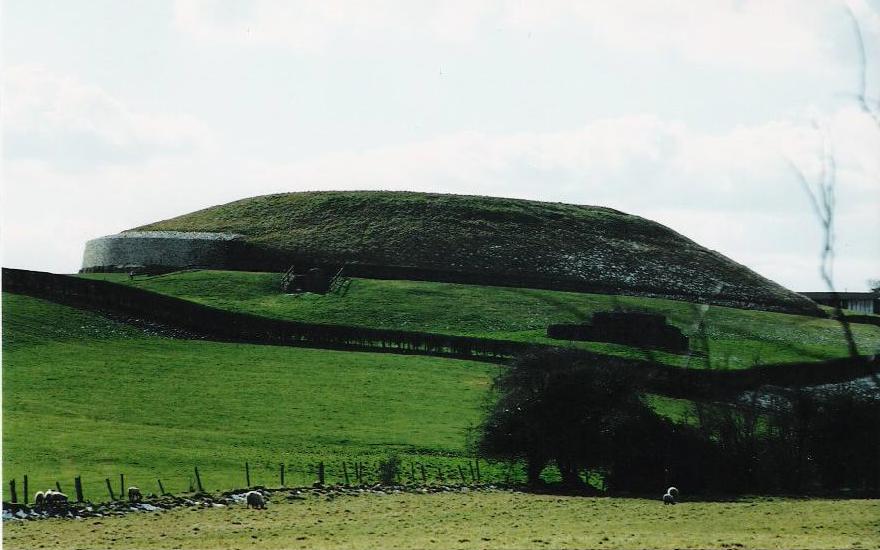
[(862, 302)]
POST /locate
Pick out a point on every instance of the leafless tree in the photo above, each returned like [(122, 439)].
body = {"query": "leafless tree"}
[(822, 191)]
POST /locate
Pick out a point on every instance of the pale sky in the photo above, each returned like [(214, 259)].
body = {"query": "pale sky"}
[(689, 113)]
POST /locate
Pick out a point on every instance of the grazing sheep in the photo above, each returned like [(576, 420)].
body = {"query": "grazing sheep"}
[(673, 491), (39, 498), (134, 494), (255, 499), (668, 499)]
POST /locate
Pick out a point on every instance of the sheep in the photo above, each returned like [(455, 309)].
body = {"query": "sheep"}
[(673, 491), (668, 499), (39, 498), (134, 494), (255, 499)]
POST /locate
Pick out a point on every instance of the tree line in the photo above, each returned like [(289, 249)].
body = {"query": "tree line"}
[(590, 420)]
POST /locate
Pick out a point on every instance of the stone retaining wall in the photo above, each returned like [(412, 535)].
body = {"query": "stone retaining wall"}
[(175, 249)]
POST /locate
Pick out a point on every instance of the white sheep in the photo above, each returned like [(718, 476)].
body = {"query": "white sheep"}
[(673, 491), (255, 499), (668, 499), (134, 494), (39, 499)]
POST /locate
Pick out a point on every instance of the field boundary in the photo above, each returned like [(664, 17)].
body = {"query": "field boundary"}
[(135, 304)]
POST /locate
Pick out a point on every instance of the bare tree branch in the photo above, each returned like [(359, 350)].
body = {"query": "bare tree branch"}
[(823, 199), (862, 94)]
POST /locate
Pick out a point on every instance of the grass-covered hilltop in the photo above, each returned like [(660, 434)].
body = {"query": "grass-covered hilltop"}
[(484, 240)]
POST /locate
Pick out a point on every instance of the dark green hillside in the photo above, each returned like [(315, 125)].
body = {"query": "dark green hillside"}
[(550, 245), (738, 338)]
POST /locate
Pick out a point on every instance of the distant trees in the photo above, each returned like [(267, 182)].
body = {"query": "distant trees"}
[(556, 408)]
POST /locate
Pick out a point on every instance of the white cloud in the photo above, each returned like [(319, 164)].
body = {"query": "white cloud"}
[(754, 34), (61, 120), (312, 26)]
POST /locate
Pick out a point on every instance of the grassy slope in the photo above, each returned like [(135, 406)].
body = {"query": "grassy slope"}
[(475, 520), (485, 235), (738, 338), (85, 395)]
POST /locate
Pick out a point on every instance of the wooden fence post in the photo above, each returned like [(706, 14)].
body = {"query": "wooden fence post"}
[(24, 489), (12, 492), (122, 486), (247, 474), (321, 472), (461, 474), (477, 464), (199, 480), (471, 467), (161, 488), (412, 471), (424, 474), (78, 488), (110, 489), (282, 475), (440, 474), (58, 486), (345, 472)]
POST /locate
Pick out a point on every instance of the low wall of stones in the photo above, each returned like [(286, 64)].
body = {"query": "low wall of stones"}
[(171, 249)]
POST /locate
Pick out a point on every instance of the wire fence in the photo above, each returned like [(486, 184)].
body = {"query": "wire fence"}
[(352, 473)]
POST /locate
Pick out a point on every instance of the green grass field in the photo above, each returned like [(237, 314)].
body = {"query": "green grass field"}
[(86, 395), (475, 520), (738, 338)]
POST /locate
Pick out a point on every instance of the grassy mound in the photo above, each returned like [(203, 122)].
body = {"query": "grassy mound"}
[(603, 249), (737, 338), (85, 395)]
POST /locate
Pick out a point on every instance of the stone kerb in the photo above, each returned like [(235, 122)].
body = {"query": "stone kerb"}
[(176, 249)]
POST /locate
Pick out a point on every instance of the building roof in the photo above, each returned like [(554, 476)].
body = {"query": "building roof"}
[(841, 295)]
